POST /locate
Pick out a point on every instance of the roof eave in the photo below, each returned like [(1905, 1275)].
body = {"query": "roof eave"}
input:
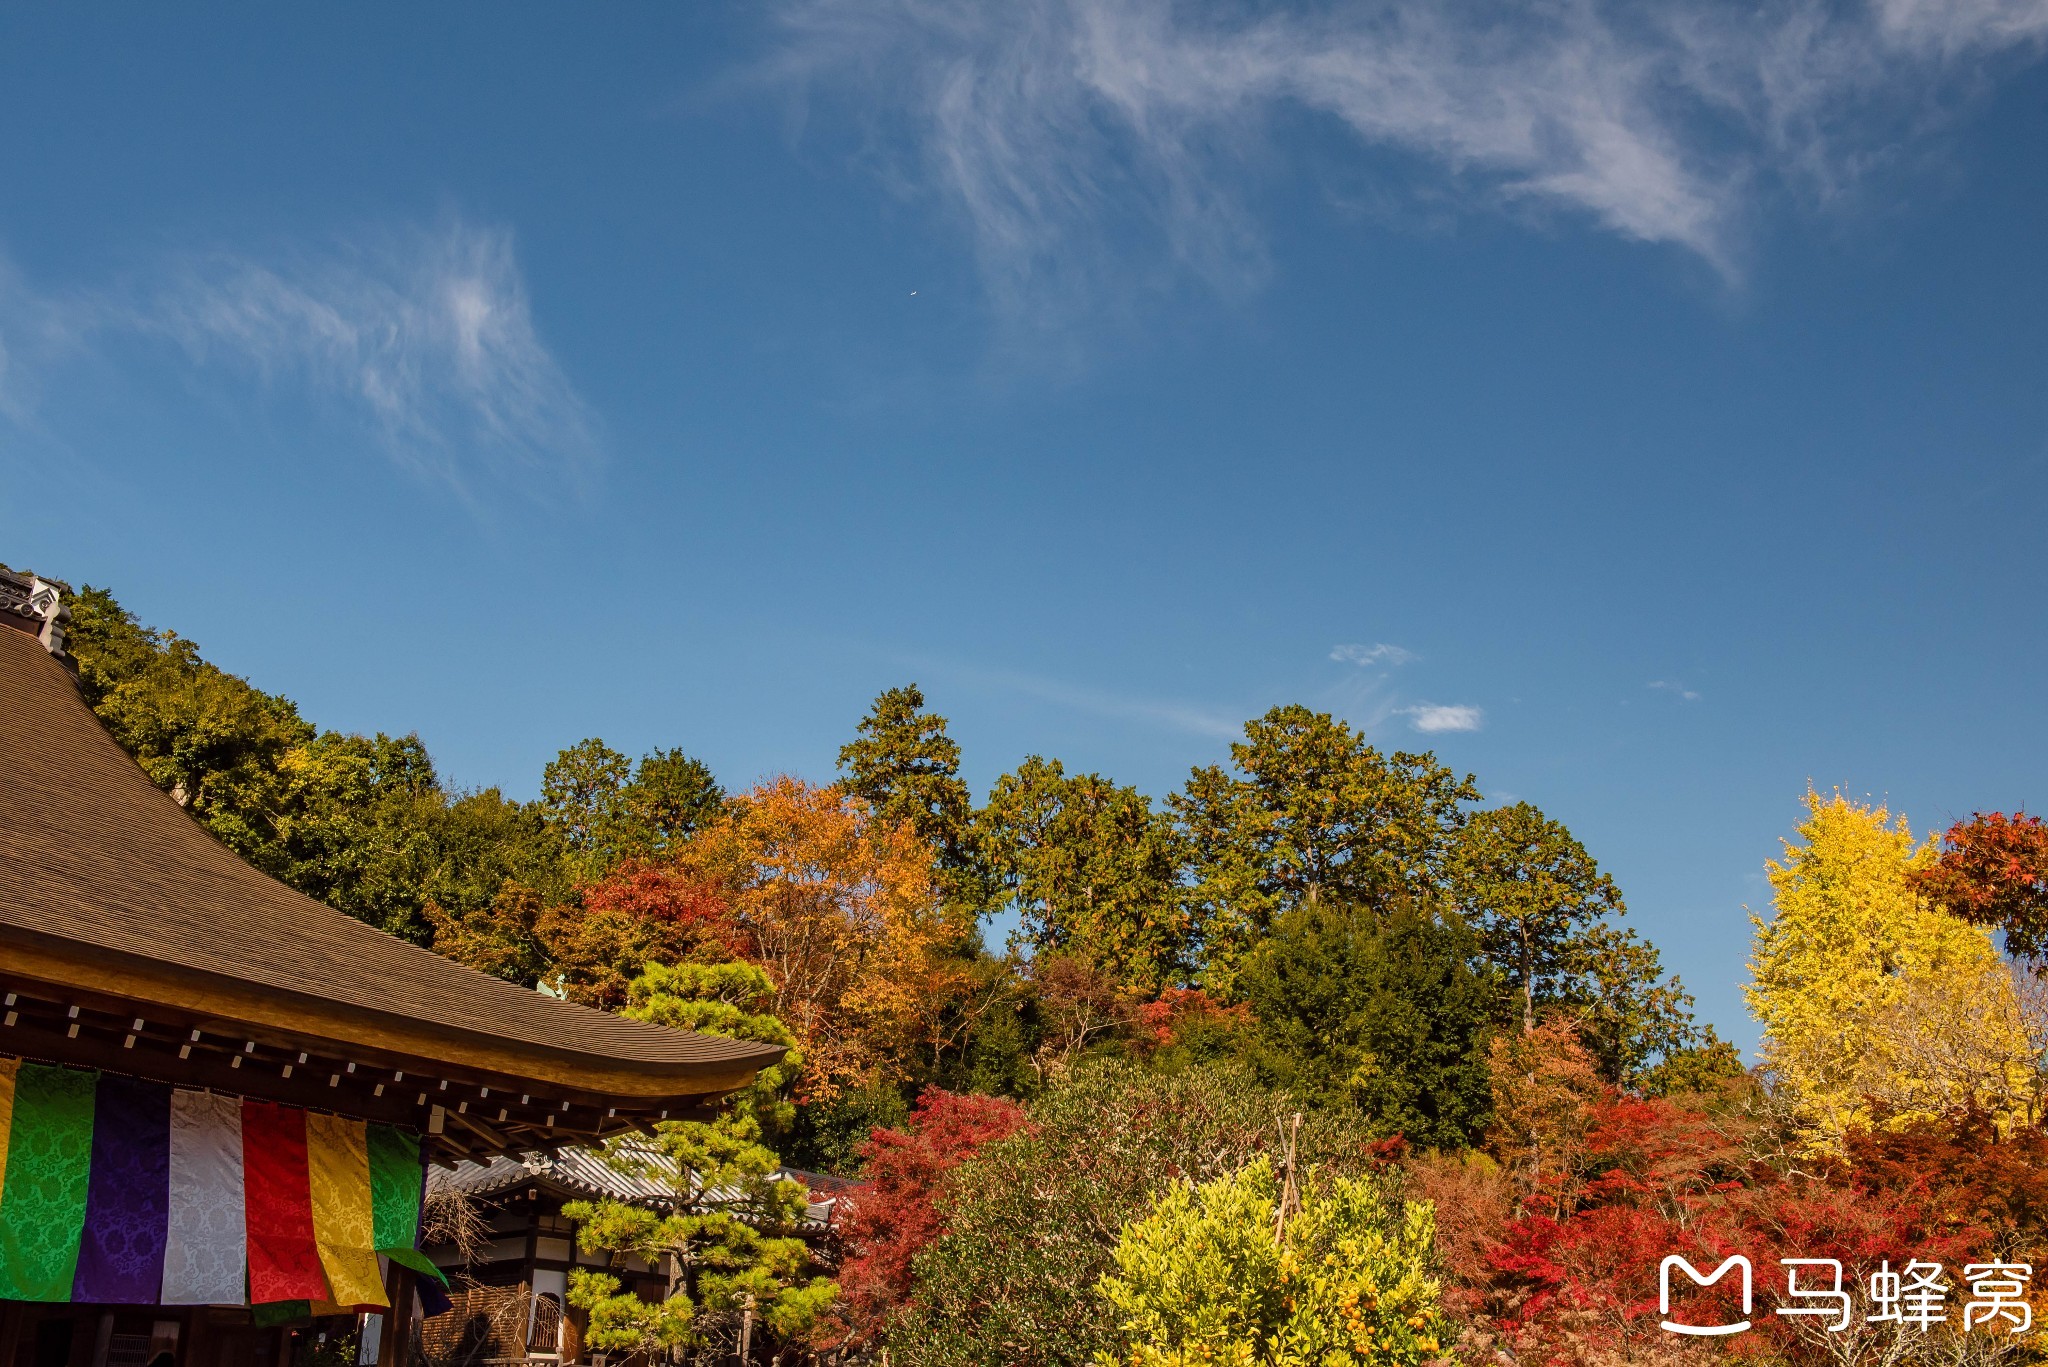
[(235, 1006)]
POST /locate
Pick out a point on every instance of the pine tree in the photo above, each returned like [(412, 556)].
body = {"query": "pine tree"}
[(904, 765), (730, 1236)]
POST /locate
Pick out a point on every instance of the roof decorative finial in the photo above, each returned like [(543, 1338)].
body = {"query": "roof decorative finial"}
[(32, 603)]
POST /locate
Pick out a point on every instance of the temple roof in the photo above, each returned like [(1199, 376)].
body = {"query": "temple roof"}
[(116, 897)]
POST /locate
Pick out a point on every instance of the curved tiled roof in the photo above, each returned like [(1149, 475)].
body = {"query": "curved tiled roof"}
[(638, 1174), (95, 860), (645, 1174)]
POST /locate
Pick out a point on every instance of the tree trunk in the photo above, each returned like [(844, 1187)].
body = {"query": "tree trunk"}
[(1528, 986)]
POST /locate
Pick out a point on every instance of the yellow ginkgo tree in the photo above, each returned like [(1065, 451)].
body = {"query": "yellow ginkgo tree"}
[(1877, 1006)]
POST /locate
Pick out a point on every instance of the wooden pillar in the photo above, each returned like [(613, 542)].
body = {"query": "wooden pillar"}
[(196, 1337), (396, 1349)]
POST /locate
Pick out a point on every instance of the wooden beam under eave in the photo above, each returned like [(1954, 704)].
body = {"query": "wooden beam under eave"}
[(231, 1006), (484, 1132), (236, 1068), (158, 1062)]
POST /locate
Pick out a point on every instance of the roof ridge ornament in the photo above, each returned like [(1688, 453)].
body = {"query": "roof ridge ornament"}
[(26, 597)]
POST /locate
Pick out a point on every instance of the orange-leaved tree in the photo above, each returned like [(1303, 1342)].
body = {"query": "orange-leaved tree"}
[(842, 911)]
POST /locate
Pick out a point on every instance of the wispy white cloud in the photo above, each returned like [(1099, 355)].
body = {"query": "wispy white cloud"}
[(423, 337), (1431, 718), (1081, 140), (1174, 714), (1952, 27), (35, 328), (1368, 656), (1672, 686)]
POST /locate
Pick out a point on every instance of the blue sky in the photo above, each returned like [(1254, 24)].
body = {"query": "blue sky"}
[(1644, 406)]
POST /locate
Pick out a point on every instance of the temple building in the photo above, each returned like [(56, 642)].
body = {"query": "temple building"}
[(218, 1097), (509, 1272)]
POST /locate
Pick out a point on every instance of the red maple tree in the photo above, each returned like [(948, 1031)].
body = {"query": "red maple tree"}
[(895, 1212), (1993, 871), (639, 913)]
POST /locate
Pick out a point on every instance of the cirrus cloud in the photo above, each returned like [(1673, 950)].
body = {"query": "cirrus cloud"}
[(1090, 146), (423, 338)]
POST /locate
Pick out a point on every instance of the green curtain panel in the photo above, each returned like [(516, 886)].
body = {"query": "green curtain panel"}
[(395, 1175), (49, 1167)]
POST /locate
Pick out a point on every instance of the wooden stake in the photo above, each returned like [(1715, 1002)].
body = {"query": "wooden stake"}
[(1290, 1190)]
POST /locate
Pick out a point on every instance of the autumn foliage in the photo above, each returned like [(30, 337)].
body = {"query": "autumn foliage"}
[(1442, 992), (1179, 1013), (896, 1212), (1993, 871), (641, 913), (590, 949), (1554, 1245), (842, 911)]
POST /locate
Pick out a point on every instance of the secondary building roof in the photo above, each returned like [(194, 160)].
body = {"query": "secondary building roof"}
[(638, 1174)]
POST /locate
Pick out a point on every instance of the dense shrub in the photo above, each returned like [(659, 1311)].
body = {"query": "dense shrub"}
[(1032, 1221)]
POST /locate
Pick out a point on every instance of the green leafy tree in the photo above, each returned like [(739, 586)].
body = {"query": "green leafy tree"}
[(1310, 812), (905, 766), (107, 643), (1546, 916), (830, 1131), (607, 810), (583, 793), (1629, 1013), (1225, 1272), (1387, 1011), (1703, 1068), (210, 740), (359, 826), (729, 1238), (1093, 871), (361, 822), (672, 797), (365, 825), (1530, 889), (482, 839)]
